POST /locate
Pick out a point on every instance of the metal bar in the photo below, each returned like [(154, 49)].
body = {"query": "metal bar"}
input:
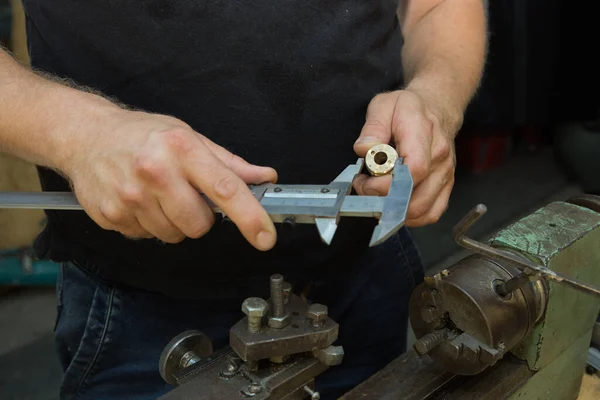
[(526, 266), (410, 377), (352, 206)]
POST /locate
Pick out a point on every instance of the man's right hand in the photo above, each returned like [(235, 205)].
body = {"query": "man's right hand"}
[(140, 174)]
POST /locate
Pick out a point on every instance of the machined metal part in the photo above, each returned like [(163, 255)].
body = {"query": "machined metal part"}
[(321, 205), (286, 381), (298, 336), (183, 351), (464, 324), (261, 361), (528, 267), (380, 159)]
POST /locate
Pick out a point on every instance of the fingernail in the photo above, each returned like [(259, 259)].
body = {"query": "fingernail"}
[(265, 240), (367, 139)]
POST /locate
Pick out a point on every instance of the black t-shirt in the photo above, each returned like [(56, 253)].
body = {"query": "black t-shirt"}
[(280, 83)]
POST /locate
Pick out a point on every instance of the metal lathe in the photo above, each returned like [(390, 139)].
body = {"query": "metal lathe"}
[(513, 320)]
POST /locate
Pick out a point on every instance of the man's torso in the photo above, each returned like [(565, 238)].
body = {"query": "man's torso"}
[(284, 84)]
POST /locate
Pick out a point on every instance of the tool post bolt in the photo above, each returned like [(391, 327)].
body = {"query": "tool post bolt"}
[(317, 313), (255, 308), (277, 295), (278, 319)]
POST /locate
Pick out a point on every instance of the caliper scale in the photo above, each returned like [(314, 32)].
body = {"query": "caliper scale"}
[(322, 205)]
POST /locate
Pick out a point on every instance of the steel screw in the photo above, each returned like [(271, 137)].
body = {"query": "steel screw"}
[(324, 190), (277, 190), (255, 308), (430, 341), (252, 390), (277, 295), (313, 395), (317, 314)]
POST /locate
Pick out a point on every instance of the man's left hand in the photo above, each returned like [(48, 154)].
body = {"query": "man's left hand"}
[(422, 131)]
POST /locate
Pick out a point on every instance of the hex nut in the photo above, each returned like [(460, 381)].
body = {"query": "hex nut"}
[(255, 307), (317, 314), (279, 322)]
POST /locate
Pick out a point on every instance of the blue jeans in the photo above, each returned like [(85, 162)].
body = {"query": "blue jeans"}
[(109, 339)]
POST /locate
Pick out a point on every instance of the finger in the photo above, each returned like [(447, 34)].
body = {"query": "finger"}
[(186, 209), (228, 191), (138, 233), (366, 185), (425, 195), (250, 173), (112, 216), (436, 211), (413, 136), (378, 125), (153, 219)]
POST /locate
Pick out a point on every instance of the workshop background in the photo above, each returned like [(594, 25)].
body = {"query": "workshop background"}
[(531, 136)]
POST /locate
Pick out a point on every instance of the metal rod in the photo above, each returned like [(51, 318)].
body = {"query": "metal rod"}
[(514, 283), (526, 266)]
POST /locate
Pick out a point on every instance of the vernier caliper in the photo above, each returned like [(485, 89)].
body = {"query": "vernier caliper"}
[(322, 205)]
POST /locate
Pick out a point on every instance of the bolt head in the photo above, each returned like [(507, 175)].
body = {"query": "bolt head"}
[(429, 314), (279, 322), (255, 307), (255, 388), (317, 313)]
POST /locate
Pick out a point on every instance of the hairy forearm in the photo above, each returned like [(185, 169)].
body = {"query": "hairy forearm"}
[(444, 52), (41, 120)]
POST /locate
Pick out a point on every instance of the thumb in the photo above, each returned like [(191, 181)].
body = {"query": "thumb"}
[(378, 125)]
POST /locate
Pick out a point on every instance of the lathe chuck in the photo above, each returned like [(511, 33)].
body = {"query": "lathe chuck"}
[(464, 324)]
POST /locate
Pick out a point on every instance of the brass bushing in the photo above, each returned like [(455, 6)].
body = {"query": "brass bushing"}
[(380, 159)]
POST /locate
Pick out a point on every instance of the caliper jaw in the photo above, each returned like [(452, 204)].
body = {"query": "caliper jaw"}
[(395, 205), (328, 226)]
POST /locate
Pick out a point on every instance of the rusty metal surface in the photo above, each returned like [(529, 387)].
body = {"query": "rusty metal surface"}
[(300, 335), (530, 231), (410, 377), (206, 381)]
